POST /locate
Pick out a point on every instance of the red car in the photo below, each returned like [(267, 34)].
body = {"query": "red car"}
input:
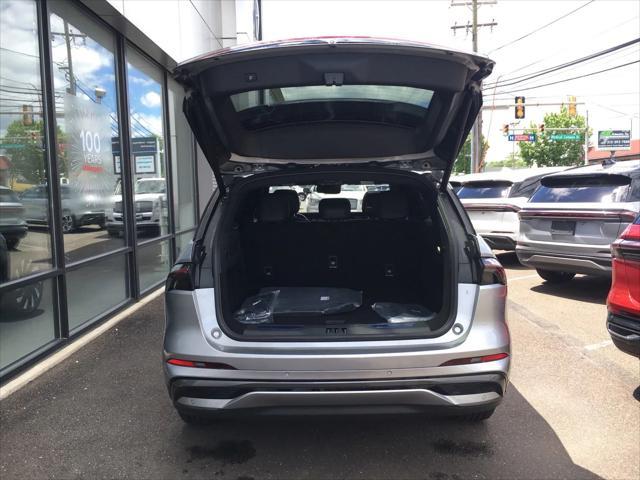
[(623, 303)]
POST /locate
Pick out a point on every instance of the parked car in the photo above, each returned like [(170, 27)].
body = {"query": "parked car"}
[(623, 302), (150, 205), (353, 193), (398, 309), (79, 208), (569, 223), (493, 200), (13, 226)]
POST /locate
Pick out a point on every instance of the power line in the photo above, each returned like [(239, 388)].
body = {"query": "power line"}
[(529, 76), (572, 78), (556, 52), (542, 27)]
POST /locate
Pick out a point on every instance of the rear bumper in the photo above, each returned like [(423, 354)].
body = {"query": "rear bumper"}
[(451, 394), (625, 333), (588, 265)]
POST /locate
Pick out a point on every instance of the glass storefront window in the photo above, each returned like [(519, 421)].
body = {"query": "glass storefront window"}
[(144, 82), (182, 241), (24, 194), (95, 288), (87, 126), (182, 164), (27, 320), (154, 262)]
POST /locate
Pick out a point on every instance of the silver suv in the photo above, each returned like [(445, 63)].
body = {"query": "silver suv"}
[(396, 306), (573, 217)]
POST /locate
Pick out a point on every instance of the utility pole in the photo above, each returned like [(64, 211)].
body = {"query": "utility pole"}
[(68, 38), (476, 131)]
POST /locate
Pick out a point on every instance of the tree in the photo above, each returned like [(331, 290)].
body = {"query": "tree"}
[(27, 152), (545, 152), (513, 160), (463, 162)]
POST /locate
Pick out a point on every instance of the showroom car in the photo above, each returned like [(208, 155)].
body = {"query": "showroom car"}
[(13, 225), (396, 307)]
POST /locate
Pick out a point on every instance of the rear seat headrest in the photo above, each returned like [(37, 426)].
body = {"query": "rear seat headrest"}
[(292, 198), (273, 208), (334, 208), (391, 205), (369, 203)]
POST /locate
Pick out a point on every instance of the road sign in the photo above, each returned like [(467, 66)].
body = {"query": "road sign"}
[(614, 140), (564, 136), (522, 137)]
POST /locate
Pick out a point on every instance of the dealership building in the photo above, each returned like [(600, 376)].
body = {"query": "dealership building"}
[(101, 180)]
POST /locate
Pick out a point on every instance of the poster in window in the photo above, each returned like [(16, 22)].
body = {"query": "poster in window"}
[(145, 163), (88, 164)]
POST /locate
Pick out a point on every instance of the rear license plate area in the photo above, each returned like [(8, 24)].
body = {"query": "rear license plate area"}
[(563, 227)]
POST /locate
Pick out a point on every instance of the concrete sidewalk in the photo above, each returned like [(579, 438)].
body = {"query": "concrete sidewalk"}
[(105, 413)]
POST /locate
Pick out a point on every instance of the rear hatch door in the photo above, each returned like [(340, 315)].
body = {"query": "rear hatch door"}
[(332, 101)]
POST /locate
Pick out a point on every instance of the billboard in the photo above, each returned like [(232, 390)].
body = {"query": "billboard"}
[(614, 139)]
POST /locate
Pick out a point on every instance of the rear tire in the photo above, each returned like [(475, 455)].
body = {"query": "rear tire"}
[(12, 243), (552, 276), (477, 416), (196, 420)]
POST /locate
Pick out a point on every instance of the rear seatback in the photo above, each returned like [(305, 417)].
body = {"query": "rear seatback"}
[(379, 253)]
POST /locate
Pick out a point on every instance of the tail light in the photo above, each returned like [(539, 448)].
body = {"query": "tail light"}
[(470, 360), (492, 272), (627, 247), (180, 277)]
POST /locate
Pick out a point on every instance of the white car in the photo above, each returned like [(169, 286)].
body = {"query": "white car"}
[(493, 200), (354, 193), (150, 204)]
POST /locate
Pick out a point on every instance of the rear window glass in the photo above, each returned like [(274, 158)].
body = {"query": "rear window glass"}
[(485, 190), (602, 189), (373, 93)]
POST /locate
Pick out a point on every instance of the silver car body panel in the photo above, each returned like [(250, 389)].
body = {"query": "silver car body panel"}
[(191, 320)]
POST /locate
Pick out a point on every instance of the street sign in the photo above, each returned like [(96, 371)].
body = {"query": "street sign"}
[(564, 136), (522, 137), (614, 140)]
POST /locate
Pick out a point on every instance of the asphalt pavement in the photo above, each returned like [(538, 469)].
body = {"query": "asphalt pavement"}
[(570, 412)]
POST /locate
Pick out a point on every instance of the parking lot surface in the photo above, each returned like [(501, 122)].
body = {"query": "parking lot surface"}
[(570, 412)]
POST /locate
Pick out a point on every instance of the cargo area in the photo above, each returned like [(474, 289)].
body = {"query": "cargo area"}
[(363, 259)]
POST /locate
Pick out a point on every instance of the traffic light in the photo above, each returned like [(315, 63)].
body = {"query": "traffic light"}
[(519, 108), (505, 129), (541, 128), (572, 105)]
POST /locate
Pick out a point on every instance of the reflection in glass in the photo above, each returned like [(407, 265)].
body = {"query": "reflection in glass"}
[(147, 147), (24, 231), (154, 262), (87, 123), (182, 241), (27, 320), (96, 288), (182, 164)]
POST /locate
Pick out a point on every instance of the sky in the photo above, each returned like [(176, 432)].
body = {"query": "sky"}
[(612, 99)]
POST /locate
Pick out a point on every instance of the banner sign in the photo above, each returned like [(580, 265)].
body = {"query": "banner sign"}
[(88, 153), (614, 140)]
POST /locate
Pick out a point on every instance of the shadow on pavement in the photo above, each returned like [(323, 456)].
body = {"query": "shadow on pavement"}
[(582, 288), (105, 413)]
